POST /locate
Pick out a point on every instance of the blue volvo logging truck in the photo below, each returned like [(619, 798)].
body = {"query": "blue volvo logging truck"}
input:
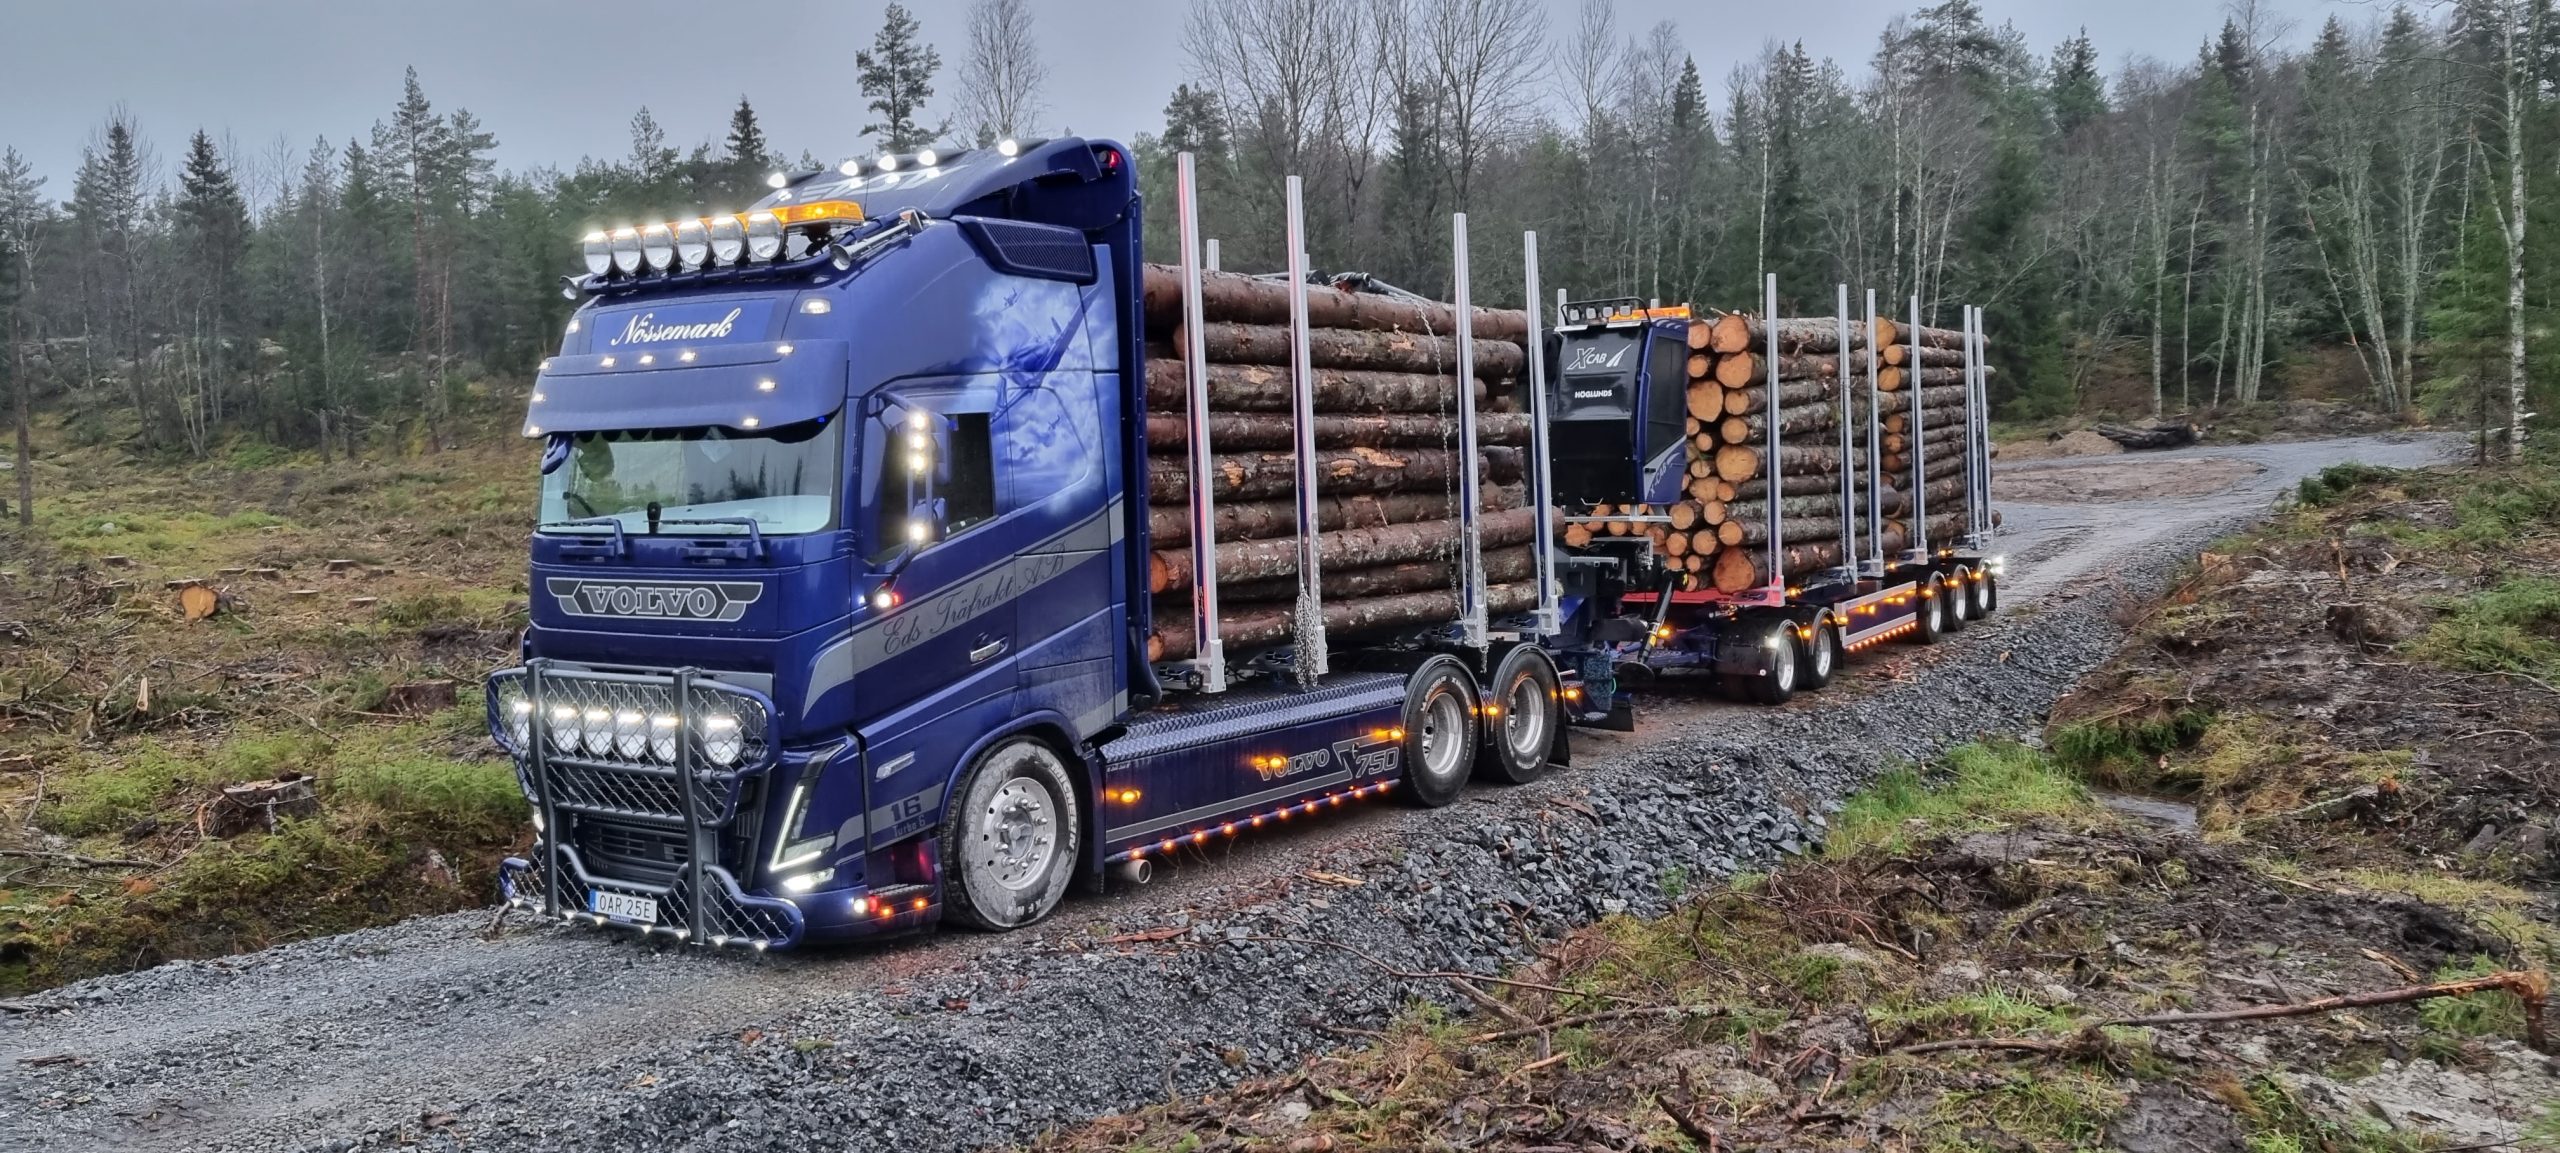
[(840, 613)]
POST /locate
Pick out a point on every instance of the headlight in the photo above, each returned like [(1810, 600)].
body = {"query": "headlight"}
[(728, 240), (563, 727), (658, 247), (764, 236), (722, 741), (630, 734), (662, 738), (595, 731), (626, 250), (516, 713), (693, 245), (599, 254)]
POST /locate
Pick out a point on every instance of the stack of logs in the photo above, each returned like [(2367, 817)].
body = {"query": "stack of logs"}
[(1717, 536), (1386, 432)]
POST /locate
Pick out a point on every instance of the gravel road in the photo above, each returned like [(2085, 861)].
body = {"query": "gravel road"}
[(1238, 962)]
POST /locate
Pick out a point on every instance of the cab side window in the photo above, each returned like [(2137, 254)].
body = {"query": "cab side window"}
[(1667, 399), (968, 485)]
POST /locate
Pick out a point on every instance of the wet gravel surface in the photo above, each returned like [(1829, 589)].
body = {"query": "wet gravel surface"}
[(1236, 963)]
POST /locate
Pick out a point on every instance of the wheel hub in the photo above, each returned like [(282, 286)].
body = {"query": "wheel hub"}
[(1442, 740), (1525, 726), (1019, 834)]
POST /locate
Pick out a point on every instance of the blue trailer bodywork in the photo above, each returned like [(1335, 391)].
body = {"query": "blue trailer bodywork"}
[(828, 534)]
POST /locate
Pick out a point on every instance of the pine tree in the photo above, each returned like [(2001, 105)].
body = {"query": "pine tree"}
[(23, 214), (213, 235), (748, 154), (107, 200), (897, 74), (2076, 91)]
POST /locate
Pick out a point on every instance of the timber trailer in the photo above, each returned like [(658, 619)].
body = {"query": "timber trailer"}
[(840, 614), (1617, 429)]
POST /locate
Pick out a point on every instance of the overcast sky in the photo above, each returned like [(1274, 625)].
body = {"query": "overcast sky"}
[(558, 80)]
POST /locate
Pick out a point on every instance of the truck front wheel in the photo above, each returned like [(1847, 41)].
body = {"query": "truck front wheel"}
[(1439, 732), (1011, 838)]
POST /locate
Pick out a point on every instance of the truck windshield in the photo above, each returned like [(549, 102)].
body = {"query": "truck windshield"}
[(783, 478)]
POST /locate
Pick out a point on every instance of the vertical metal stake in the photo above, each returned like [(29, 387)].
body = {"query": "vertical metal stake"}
[(1972, 423), (1471, 591), (1210, 262), (1982, 431), (1310, 640), (1919, 472), (1776, 473), (1210, 661), (1848, 445), (1541, 478), (1875, 444)]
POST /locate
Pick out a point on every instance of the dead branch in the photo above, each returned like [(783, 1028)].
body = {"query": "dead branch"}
[(1582, 1019), (77, 860), (2533, 988)]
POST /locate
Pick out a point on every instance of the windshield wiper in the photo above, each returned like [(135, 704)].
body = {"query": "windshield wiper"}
[(621, 546), (755, 528)]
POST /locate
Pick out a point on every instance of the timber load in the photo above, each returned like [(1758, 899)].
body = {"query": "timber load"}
[(1386, 393), (1716, 535)]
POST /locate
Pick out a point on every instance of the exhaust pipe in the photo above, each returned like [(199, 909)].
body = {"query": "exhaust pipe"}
[(1136, 870)]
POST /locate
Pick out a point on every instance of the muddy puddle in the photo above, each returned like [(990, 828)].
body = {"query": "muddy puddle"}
[(2176, 816)]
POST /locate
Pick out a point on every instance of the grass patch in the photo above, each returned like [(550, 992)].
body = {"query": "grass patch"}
[(2496, 1013), (2338, 481), (1992, 1012), (2126, 752), (1977, 786), (2512, 628)]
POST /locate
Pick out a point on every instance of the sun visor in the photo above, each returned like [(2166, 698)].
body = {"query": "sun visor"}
[(761, 384)]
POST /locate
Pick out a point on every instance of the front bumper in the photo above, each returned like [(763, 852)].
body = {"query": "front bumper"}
[(728, 914)]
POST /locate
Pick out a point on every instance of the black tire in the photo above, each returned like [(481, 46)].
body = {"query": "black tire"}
[(1821, 655), (1959, 599), (1439, 732), (1785, 673), (1987, 594), (1011, 837), (1931, 615), (1523, 711)]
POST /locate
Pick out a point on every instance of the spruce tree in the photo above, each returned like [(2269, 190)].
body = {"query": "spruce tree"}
[(748, 153), (897, 74), (2078, 94)]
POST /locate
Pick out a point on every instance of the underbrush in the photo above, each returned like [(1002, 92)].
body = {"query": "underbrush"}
[(2513, 627)]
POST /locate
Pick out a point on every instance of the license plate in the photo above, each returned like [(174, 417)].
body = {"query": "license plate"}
[(623, 907)]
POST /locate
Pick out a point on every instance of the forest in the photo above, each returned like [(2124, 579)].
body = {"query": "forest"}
[(2370, 195)]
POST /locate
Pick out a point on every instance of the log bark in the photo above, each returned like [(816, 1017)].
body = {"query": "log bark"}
[(1754, 429), (1736, 370), (1352, 348), (1811, 529), (1239, 299), (1232, 431), (1791, 394), (1265, 388), (1169, 570), (1895, 378), (2157, 434), (1169, 526), (1940, 397), (1501, 566), (1254, 475), (1744, 567), (1929, 357), (1936, 436), (1260, 627), (1735, 332), (1825, 505), (1741, 462)]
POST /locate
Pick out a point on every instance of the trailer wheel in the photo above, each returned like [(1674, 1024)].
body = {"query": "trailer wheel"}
[(1986, 593), (1523, 710), (1821, 653), (1439, 732), (1010, 838), (1932, 613), (1784, 673), (1959, 599)]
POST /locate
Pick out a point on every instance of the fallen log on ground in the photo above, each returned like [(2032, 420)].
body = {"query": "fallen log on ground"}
[(2155, 434)]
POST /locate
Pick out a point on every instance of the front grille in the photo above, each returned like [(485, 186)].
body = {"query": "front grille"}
[(631, 850), (609, 743)]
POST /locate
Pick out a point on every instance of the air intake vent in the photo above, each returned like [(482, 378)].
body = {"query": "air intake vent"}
[(1042, 250)]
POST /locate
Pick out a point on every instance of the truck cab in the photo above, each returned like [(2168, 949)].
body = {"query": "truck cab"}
[(831, 494)]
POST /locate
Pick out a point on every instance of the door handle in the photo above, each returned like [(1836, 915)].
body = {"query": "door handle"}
[(980, 654)]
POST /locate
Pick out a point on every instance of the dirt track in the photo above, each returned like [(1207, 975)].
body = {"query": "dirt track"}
[(542, 1038)]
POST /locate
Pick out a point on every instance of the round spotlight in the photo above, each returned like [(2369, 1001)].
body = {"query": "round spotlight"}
[(693, 244), (764, 236), (928, 158), (1009, 148), (777, 180), (850, 167), (728, 240), (626, 250), (888, 162), (599, 254), (658, 247)]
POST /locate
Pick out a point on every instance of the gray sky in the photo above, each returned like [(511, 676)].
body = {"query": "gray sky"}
[(559, 80)]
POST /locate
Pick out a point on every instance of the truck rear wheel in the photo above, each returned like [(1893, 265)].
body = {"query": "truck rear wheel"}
[(1439, 732), (1011, 837), (1959, 599), (1986, 593), (1784, 673), (1821, 654), (1521, 715), (1931, 613)]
